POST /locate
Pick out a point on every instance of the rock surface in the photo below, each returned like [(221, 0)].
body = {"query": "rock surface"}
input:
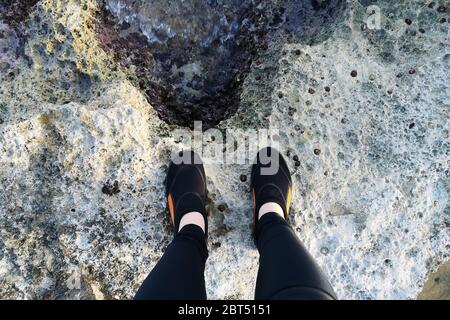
[(363, 115)]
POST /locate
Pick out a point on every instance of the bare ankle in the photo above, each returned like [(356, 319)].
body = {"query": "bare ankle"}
[(195, 218), (270, 207)]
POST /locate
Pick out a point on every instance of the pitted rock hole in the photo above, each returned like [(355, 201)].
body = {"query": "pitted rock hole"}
[(191, 57)]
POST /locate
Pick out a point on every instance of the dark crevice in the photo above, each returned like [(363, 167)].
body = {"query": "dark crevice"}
[(190, 77), (195, 69)]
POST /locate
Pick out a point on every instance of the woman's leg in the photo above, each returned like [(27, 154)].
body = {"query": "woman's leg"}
[(179, 275), (287, 270), (180, 272)]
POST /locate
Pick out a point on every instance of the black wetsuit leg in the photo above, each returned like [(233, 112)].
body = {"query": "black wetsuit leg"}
[(287, 270), (179, 274)]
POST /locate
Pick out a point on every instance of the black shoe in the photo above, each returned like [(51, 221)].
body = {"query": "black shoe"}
[(186, 189), (273, 187)]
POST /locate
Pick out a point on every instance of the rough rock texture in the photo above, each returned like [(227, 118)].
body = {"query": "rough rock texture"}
[(83, 153)]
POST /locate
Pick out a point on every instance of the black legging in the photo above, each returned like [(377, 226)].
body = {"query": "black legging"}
[(286, 270)]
